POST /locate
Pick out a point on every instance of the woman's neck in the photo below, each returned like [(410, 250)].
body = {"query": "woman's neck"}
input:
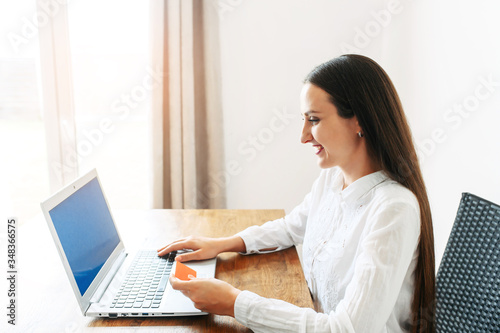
[(358, 169)]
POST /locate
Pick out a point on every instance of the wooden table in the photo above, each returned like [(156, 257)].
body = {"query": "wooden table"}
[(46, 302)]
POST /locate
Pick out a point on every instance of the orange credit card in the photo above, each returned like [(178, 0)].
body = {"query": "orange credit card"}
[(182, 271)]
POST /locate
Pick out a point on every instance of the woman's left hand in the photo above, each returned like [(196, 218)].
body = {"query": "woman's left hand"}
[(208, 295)]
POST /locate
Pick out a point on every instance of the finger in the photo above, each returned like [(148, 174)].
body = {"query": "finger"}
[(178, 284), (177, 245), (171, 244), (194, 255), (165, 247), (177, 242), (199, 306)]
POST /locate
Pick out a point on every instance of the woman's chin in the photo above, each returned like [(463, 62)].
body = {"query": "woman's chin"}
[(325, 164)]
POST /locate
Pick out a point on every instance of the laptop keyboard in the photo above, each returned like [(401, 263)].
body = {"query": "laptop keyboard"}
[(145, 281)]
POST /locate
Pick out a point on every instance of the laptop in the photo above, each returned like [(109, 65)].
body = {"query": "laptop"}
[(106, 281)]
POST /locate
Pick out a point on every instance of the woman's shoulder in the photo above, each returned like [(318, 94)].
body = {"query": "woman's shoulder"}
[(389, 200), (390, 192)]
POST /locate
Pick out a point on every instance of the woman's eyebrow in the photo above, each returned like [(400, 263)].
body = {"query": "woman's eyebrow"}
[(308, 113)]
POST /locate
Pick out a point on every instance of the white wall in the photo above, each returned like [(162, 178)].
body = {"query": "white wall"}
[(437, 56)]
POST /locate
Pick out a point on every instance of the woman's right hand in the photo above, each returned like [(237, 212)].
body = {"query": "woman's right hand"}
[(203, 247)]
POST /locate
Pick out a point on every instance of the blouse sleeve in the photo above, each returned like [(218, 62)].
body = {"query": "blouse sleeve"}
[(281, 233), (380, 269)]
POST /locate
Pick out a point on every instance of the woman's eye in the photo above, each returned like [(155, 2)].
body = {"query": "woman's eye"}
[(313, 120)]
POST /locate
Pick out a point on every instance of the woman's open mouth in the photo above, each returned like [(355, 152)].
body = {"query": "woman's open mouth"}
[(318, 149)]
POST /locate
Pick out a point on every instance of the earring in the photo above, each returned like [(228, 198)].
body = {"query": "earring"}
[(360, 134)]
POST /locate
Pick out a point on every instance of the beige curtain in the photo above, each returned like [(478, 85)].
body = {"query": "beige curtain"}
[(187, 117)]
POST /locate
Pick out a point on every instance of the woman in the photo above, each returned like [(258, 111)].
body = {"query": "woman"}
[(366, 227)]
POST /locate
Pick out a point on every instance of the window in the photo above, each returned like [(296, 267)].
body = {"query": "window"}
[(111, 88), (109, 44), (23, 171)]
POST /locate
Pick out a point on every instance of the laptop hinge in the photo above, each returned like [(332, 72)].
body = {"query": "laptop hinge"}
[(96, 298)]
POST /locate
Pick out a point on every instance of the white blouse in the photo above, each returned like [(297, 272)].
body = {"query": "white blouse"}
[(359, 256)]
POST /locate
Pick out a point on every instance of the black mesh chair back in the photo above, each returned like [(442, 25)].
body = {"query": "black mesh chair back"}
[(468, 280)]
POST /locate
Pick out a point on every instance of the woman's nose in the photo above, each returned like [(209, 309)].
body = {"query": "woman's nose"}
[(306, 136)]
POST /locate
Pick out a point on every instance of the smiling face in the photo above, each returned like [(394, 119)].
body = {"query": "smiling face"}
[(334, 139)]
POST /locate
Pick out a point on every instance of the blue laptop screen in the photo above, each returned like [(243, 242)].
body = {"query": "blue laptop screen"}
[(86, 232)]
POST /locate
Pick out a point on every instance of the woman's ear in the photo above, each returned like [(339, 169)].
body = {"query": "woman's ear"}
[(357, 127)]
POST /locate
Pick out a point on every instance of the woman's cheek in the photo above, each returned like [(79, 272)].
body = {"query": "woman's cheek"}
[(316, 132)]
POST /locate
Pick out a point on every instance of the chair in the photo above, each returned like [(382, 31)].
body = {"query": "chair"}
[(468, 280)]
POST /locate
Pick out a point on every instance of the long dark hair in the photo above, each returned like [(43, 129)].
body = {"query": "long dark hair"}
[(359, 87)]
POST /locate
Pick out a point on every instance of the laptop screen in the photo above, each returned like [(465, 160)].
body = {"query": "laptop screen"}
[(86, 232)]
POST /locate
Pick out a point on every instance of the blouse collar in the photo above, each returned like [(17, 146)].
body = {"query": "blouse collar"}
[(360, 187)]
